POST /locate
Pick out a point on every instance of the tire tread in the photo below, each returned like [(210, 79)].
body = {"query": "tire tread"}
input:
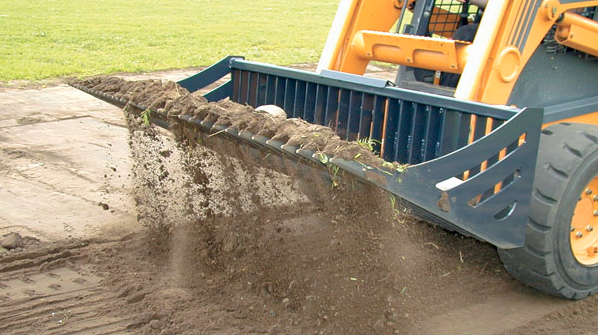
[(535, 263), (573, 150), (556, 172)]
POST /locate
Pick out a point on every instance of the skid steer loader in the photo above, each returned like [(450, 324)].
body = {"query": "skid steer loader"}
[(509, 155)]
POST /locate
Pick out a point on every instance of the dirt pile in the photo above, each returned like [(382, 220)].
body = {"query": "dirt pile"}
[(157, 95), (168, 98)]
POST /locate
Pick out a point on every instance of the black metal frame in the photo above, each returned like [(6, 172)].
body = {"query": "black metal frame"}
[(459, 176), (490, 194)]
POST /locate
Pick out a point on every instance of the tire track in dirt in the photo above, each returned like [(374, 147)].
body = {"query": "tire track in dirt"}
[(53, 290), (498, 313)]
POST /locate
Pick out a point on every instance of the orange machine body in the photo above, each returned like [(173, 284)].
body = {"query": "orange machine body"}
[(509, 33)]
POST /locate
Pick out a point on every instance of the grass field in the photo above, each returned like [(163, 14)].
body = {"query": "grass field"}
[(53, 38)]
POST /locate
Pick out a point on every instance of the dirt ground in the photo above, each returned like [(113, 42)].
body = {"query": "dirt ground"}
[(132, 232)]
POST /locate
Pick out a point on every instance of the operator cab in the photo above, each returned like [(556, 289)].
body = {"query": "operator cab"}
[(452, 19), (437, 18)]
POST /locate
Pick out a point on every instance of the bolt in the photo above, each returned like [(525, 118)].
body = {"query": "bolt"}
[(588, 191), (554, 10), (572, 229), (589, 228), (596, 213), (595, 198), (579, 234)]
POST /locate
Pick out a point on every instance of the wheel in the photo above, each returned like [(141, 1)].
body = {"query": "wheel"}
[(560, 255)]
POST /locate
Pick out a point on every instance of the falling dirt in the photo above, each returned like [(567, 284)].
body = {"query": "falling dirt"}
[(346, 263), (230, 247)]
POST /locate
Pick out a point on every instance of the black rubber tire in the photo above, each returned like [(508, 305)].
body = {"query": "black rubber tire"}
[(567, 162)]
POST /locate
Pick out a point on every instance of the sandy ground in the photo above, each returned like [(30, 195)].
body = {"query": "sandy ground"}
[(254, 253)]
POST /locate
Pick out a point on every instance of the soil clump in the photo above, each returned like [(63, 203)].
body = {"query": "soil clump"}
[(15, 242)]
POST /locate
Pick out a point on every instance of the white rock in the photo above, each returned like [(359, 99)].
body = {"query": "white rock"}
[(272, 110)]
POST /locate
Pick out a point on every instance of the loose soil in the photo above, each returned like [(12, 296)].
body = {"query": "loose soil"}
[(232, 248)]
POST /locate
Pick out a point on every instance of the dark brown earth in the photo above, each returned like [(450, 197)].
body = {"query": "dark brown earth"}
[(231, 248)]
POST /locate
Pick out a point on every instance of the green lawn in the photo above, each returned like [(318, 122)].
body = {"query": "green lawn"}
[(52, 38)]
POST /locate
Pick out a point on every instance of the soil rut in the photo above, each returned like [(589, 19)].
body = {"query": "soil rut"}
[(53, 290)]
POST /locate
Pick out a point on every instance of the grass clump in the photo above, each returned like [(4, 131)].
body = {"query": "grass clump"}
[(369, 144)]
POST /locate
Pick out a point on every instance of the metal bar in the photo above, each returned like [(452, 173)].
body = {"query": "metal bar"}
[(289, 97), (418, 127), (377, 121), (503, 113), (299, 103), (365, 116), (432, 133), (463, 130), (343, 114), (253, 85), (279, 94), (403, 139), (244, 86), (209, 75), (271, 91), (332, 98), (390, 133), (309, 108), (223, 91), (355, 102), (236, 79), (320, 105), (262, 89)]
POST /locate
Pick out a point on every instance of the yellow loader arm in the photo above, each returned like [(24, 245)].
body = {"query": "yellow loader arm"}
[(508, 35)]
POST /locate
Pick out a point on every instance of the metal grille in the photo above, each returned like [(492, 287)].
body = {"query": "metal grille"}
[(448, 15), (446, 18), (405, 131), (480, 188)]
